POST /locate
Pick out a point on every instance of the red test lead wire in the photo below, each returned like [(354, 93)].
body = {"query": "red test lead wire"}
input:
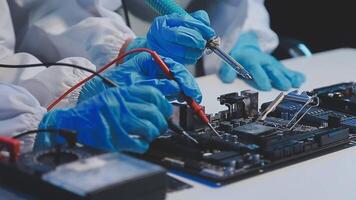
[(190, 101), (194, 105), (116, 60)]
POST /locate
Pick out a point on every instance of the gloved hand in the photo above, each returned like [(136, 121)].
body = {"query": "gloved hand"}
[(180, 37), (266, 71), (143, 70), (119, 119)]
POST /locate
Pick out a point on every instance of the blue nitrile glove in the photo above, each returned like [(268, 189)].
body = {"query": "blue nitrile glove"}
[(180, 37), (143, 70), (119, 119), (266, 71)]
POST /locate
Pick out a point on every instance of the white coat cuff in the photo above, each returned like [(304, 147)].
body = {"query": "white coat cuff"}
[(51, 83), (19, 112)]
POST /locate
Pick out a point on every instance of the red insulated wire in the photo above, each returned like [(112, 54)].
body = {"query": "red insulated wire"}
[(118, 59), (193, 104)]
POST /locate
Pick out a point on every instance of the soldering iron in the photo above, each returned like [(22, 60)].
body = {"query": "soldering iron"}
[(165, 7)]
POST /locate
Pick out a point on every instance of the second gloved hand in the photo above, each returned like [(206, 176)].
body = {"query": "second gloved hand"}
[(143, 70), (180, 37), (119, 119), (267, 72)]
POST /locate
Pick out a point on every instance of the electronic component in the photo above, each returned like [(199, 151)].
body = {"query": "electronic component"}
[(83, 173), (321, 115), (253, 129), (339, 97), (294, 128), (198, 110), (175, 185), (176, 128), (307, 104)]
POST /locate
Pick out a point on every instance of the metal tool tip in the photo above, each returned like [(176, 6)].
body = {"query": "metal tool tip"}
[(246, 75), (214, 130), (190, 137), (249, 77)]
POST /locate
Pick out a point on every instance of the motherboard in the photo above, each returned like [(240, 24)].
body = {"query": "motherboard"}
[(292, 128)]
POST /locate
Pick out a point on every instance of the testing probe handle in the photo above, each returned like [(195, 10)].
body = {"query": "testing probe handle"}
[(193, 104), (165, 7), (197, 108)]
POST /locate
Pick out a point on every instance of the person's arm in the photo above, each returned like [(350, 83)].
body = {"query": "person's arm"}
[(19, 112), (88, 29), (44, 84), (257, 21), (7, 35), (51, 83), (56, 29), (252, 50), (118, 119)]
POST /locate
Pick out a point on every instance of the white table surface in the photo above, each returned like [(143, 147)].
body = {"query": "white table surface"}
[(331, 176)]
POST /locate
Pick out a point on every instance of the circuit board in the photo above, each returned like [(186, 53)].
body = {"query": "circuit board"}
[(254, 141)]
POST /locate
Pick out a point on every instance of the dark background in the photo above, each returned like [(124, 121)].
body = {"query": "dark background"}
[(320, 24)]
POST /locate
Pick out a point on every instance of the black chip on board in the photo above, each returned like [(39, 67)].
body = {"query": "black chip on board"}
[(253, 129)]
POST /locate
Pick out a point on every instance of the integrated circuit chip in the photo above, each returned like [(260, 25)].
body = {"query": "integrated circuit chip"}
[(253, 129)]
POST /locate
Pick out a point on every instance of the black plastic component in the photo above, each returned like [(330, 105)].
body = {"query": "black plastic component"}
[(237, 161), (175, 185), (187, 118), (239, 106), (226, 126), (41, 175), (251, 102), (332, 136), (252, 131), (334, 121), (339, 97), (219, 156)]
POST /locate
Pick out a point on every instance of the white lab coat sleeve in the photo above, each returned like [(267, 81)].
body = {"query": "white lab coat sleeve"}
[(7, 35), (19, 112), (257, 21), (56, 29), (51, 83), (44, 84), (7, 46)]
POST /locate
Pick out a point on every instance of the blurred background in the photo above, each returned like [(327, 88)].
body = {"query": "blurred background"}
[(319, 24)]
